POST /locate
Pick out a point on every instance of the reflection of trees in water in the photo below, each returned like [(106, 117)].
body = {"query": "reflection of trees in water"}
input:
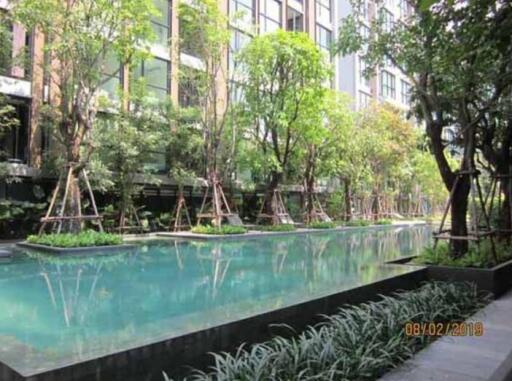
[(71, 281)]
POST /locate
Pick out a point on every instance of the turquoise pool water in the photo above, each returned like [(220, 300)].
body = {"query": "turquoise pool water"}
[(56, 311)]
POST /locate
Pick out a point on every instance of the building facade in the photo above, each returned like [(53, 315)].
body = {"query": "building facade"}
[(28, 87), (387, 84)]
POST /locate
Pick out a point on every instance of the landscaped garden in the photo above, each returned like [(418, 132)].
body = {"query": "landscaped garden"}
[(240, 215)]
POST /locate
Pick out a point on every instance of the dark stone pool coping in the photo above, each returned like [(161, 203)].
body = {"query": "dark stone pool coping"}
[(75, 250), (177, 354), (496, 280)]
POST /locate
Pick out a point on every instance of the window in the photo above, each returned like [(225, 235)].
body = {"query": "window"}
[(294, 20), (238, 41), (236, 94), (5, 47), (155, 72), (404, 8), (363, 66), (14, 138), (188, 36), (323, 9), (270, 16), (111, 72), (364, 100), (323, 38), (188, 95), (405, 92), (387, 85), (244, 9), (388, 20), (388, 62), (365, 10), (161, 23)]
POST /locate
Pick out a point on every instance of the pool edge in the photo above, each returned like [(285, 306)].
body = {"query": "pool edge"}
[(174, 355)]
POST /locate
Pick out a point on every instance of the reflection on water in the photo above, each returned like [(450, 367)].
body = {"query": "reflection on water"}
[(59, 309)]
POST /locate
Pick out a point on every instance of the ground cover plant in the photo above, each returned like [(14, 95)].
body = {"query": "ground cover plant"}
[(479, 257), (322, 225), (83, 239), (222, 230), (383, 221), (358, 343), (358, 223), (276, 228)]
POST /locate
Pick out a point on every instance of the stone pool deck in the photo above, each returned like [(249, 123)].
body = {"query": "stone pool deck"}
[(464, 358)]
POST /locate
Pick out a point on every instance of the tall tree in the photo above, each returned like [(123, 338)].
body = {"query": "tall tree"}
[(326, 142), (79, 35), (284, 76), (457, 57)]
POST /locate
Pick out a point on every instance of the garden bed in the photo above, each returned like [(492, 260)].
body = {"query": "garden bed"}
[(83, 242), (496, 280)]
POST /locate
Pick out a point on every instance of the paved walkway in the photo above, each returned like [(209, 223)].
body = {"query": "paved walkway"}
[(488, 357)]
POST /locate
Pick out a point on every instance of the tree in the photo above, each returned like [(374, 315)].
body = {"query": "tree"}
[(284, 75), (389, 141), (457, 57), (127, 142), (326, 143), (204, 33), (80, 34)]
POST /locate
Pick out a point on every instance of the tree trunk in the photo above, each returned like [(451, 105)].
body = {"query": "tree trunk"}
[(348, 199), (310, 186), (375, 206), (275, 180), (459, 209)]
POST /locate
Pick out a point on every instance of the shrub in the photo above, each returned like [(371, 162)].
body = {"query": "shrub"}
[(83, 239), (322, 225), (383, 221), (358, 223), (479, 257), (358, 343), (277, 228), (223, 230)]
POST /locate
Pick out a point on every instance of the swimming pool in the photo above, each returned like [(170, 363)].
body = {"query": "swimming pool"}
[(56, 311)]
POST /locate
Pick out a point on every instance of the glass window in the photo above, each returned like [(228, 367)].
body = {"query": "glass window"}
[(388, 20), (111, 76), (387, 85), (323, 38), (294, 20), (155, 72), (244, 9), (405, 92), (5, 46), (404, 8), (161, 22), (270, 16), (363, 66), (238, 41), (323, 9), (364, 100)]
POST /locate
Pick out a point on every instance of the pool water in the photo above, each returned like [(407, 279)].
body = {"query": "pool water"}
[(56, 311)]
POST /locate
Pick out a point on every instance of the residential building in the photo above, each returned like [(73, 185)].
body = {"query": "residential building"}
[(387, 84), (29, 87)]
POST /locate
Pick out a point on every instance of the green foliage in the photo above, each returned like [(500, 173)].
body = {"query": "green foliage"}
[(358, 223), (479, 257), (284, 75), (11, 210), (383, 221), (127, 143), (276, 228), (223, 230), (357, 343), (82, 36), (322, 225), (86, 238)]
